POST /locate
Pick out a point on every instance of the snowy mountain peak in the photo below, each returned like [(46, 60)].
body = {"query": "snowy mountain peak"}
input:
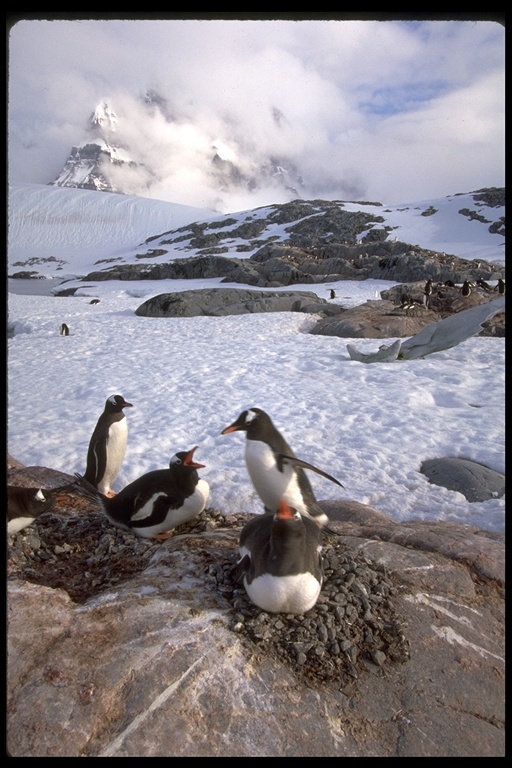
[(104, 117)]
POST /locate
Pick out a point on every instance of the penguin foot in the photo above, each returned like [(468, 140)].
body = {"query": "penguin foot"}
[(162, 536), (110, 494)]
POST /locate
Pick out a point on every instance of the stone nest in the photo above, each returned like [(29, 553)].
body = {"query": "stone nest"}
[(353, 626)]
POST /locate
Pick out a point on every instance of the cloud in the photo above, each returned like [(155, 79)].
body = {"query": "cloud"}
[(384, 110)]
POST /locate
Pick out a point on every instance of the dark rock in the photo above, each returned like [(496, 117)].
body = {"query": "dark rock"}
[(230, 301), (475, 481)]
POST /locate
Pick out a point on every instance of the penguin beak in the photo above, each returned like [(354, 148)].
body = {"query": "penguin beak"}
[(232, 428), (127, 405), (284, 512), (188, 461)]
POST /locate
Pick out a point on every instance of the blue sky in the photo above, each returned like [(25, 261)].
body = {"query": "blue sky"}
[(382, 110)]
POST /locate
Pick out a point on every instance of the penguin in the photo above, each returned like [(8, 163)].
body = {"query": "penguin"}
[(501, 285), (482, 284), (276, 473), (428, 292), (280, 561), (156, 502), (94, 301), (107, 445), (24, 505), (333, 293), (466, 288), (64, 330)]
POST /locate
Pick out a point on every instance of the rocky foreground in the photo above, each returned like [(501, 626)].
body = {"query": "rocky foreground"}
[(119, 647)]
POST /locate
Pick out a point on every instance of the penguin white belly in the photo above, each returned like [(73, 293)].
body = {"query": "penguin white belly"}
[(18, 523), (116, 449), (272, 485), (284, 594)]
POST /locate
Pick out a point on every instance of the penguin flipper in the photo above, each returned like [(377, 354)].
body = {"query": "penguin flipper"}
[(282, 459), (241, 568), (96, 458), (157, 513)]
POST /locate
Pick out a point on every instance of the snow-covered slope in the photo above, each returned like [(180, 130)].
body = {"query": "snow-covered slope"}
[(68, 232), (73, 225)]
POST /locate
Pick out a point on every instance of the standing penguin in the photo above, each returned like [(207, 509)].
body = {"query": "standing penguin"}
[(107, 445), (501, 285), (428, 292), (64, 330), (276, 473), (280, 561), (466, 288), (333, 293), (157, 501)]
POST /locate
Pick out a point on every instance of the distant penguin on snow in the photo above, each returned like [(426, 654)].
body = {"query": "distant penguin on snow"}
[(333, 293), (64, 330), (107, 445), (276, 473)]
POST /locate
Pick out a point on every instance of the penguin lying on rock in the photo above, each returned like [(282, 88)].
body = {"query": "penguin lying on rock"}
[(25, 505), (276, 473), (107, 445), (156, 502), (280, 561)]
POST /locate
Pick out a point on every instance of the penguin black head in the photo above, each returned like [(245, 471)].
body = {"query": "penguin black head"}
[(248, 421), (185, 459), (116, 403)]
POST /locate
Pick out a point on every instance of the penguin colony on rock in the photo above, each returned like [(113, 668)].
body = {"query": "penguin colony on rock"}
[(280, 551)]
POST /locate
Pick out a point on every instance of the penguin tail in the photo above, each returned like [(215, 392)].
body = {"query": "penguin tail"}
[(84, 488)]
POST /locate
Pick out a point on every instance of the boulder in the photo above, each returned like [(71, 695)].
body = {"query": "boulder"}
[(232, 301), (375, 320), (476, 481), (173, 661)]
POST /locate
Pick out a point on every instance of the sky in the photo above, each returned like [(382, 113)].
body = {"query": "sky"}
[(388, 110), (368, 425)]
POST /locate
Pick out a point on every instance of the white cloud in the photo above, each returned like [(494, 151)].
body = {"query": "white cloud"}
[(373, 107)]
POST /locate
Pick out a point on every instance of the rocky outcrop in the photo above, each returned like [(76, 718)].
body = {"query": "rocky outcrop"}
[(389, 318), (275, 265), (233, 301), (403, 656)]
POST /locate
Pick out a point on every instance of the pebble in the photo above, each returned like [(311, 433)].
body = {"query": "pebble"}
[(342, 632), (354, 624)]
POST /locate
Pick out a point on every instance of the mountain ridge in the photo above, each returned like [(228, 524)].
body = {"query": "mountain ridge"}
[(57, 232)]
